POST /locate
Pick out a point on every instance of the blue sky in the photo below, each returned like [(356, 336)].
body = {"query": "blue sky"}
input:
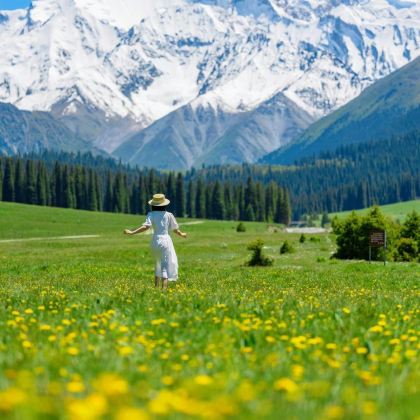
[(13, 4)]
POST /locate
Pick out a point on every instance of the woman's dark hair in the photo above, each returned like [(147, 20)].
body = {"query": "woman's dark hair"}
[(159, 208)]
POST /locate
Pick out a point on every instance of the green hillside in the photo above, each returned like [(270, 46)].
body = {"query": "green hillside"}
[(388, 107), (397, 211)]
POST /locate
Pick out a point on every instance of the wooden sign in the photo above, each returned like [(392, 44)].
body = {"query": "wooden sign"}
[(377, 238)]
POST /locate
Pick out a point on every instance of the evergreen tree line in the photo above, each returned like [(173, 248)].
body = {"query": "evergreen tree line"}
[(125, 190), (349, 178)]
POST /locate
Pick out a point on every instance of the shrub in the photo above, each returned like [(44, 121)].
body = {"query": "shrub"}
[(302, 238), (241, 227), (257, 257), (325, 220), (411, 227), (353, 234), (407, 250), (315, 239), (287, 248)]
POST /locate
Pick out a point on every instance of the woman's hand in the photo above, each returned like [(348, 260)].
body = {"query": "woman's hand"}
[(181, 234), (127, 232)]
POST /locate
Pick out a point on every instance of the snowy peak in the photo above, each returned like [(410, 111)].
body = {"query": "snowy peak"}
[(108, 68)]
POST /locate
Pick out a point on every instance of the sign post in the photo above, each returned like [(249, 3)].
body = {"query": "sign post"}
[(377, 239)]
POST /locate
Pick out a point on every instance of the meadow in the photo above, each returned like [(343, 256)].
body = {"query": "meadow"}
[(397, 211), (85, 335)]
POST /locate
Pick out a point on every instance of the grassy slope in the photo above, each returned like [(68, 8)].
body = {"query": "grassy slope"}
[(302, 295), (397, 211)]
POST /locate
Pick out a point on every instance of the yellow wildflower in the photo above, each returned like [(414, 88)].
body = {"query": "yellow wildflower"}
[(73, 351), (111, 385), (131, 413), (75, 387), (158, 321), (334, 412), (125, 351), (11, 398), (286, 385), (168, 380), (92, 407), (203, 380)]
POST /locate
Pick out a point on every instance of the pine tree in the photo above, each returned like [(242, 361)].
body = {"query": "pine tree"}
[(180, 196), (92, 202), (109, 196), (1, 178), (241, 202), (142, 195), (152, 187), (270, 201), (249, 213), (99, 194), (134, 195), (200, 200), (79, 188), (69, 198), (9, 181), (191, 199), (227, 197), (171, 191), (260, 202), (209, 206), (218, 206), (283, 208), (279, 206), (20, 181), (41, 185), (31, 197), (250, 196), (119, 194), (57, 186)]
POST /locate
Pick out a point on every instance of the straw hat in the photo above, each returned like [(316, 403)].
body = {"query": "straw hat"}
[(159, 200)]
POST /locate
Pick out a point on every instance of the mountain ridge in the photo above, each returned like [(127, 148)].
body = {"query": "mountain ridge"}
[(389, 107), (25, 132), (109, 71)]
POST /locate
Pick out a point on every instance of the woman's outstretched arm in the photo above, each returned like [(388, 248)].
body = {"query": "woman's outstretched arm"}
[(179, 233), (141, 229)]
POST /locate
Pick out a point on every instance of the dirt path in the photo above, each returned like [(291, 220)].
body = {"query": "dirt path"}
[(307, 230), (52, 238), (197, 222)]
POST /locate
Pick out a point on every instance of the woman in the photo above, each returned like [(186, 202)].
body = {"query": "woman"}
[(166, 261)]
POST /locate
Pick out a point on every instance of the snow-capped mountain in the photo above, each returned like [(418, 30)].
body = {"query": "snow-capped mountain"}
[(111, 69), (197, 133)]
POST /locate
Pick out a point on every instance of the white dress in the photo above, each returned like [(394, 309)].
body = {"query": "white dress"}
[(166, 261)]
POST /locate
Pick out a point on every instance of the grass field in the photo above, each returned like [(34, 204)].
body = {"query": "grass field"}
[(84, 334), (397, 211)]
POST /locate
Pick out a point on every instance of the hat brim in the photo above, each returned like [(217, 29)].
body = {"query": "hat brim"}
[(159, 204)]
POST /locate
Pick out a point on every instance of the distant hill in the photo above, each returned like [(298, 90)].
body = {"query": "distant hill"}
[(355, 176), (397, 211), (389, 107), (26, 132)]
